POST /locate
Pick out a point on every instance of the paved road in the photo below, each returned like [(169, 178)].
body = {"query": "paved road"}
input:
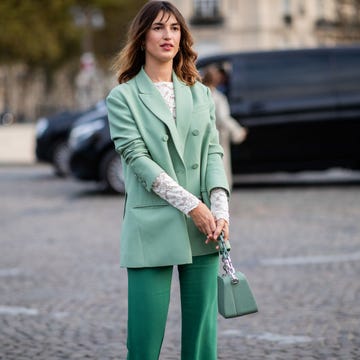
[(63, 296)]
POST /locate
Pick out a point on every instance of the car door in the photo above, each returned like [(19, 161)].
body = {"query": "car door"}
[(286, 99), (346, 75)]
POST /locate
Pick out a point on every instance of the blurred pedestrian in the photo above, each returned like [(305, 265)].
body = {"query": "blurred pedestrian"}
[(162, 123), (230, 131), (223, 81)]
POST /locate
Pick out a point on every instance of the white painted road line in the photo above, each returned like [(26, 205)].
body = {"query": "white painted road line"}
[(10, 272), (60, 315), (306, 260), (15, 310)]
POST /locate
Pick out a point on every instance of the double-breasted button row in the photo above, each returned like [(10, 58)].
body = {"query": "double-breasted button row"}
[(142, 181), (195, 132)]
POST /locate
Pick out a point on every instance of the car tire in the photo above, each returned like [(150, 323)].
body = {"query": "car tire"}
[(61, 157), (7, 118), (111, 173)]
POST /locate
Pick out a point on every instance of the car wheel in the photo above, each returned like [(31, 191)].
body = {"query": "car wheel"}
[(7, 118), (111, 173), (61, 159)]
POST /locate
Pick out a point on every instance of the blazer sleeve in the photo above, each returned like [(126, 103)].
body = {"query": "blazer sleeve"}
[(128, 140), (215, 172)]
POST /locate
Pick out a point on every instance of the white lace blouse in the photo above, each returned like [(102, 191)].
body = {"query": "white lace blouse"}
[(169, 190)]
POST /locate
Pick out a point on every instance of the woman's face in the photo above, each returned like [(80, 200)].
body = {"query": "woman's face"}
[(162, 39)]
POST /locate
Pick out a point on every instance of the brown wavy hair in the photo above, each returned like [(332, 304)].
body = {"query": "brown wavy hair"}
[(131, 58)]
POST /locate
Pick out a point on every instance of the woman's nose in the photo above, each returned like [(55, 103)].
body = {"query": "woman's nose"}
[(167, 34)]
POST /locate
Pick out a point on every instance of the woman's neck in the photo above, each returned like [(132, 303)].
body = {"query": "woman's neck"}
[(159, 73)]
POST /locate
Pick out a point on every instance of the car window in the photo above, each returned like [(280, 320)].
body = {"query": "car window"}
[(270, 82)]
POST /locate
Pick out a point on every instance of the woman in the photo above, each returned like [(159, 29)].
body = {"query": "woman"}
[(163, 125), (229, 128)]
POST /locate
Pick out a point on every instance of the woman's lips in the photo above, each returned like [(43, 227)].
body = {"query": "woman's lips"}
[(167, 46)]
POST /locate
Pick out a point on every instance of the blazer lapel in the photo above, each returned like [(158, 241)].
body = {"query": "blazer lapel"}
[(153, 100), (184, 106)]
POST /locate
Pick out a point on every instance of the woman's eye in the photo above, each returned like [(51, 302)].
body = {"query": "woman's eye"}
[(157, 28)]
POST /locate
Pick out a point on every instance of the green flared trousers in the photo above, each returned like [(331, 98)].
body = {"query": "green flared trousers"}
[(148, 304)]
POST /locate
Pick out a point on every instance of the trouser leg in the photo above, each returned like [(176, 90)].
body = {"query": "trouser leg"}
[(148, 304), (198, 286)]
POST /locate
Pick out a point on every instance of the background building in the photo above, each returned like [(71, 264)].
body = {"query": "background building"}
[(232, 25), (46, 76)]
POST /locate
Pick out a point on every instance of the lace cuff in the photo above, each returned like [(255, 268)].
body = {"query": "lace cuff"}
[(169, 190), (219, 204)]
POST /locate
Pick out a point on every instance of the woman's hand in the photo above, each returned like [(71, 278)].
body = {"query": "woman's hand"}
[(205, 222), (203, 219), (221, 225)]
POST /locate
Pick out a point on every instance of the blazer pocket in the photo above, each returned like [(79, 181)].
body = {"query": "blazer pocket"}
[(151, 205)]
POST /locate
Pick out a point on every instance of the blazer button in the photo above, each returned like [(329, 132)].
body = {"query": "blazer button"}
[(165, 138), (195, 132), (195, 166)]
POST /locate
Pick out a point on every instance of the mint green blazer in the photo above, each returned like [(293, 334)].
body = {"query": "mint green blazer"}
[(153, 232)]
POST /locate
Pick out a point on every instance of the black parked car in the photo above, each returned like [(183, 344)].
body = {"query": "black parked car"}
[(52, 137), (301, 108), (51, 140), (92, 154)]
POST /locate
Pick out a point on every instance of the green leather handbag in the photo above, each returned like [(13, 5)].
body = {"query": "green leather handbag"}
[(235, 297)]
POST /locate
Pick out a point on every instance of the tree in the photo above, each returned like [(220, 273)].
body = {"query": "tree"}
[(43, 33), (38, 37), (107, 40), (38, 33)]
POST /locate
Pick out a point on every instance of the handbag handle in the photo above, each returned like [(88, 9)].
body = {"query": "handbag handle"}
[(226, 260)]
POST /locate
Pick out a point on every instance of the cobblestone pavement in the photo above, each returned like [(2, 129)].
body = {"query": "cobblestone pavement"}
[(63, 295)]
